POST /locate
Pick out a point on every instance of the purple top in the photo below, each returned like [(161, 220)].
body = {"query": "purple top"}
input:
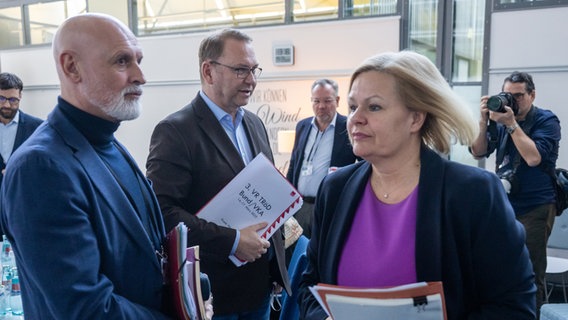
[(380, 247)]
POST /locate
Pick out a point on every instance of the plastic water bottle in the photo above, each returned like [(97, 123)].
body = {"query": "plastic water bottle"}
[(7, 256), (15, 294), (5, 290)]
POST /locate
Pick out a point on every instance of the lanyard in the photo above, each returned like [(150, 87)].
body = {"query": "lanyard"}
[(311, 156)]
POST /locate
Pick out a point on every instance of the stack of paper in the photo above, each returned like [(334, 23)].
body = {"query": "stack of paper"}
[(423, 300), (179, 276), (195, 280), (259, 193)]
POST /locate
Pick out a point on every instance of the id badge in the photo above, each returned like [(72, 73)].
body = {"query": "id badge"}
[(307, 169)]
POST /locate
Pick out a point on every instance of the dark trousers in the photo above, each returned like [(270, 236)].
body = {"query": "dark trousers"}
[(538, 226)]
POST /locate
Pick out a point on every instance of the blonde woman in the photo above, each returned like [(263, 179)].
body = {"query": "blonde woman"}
[(406, 214)]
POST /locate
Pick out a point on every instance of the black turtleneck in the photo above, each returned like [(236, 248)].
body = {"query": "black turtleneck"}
[(98, 131)]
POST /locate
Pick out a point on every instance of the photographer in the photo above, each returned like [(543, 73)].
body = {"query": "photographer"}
[(526, 139)]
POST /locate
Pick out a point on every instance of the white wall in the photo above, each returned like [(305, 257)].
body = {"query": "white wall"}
[(535, 41), (324, 49)]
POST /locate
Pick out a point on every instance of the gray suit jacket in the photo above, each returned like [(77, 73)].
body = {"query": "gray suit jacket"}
[(191, 159)]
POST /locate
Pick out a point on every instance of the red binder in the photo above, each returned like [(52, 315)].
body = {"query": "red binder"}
[(178, 276)]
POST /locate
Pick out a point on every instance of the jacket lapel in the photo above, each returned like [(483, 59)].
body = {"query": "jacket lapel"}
[(104, 182), (302, 139), (20, 131), (339, 139), (429, 216), (214, 131), (347, 202), (257, 135)]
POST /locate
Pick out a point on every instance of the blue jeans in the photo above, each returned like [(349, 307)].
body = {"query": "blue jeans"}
[(262, 313)]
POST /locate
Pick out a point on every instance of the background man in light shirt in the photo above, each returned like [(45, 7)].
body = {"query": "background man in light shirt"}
[(16, 126), (321, 145)]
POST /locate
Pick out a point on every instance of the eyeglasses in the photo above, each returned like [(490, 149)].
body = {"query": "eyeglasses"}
[(13, 101), (326, 101), (518, 95), (242, 72)]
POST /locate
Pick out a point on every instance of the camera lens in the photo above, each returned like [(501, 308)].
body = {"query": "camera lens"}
[(497, 103)]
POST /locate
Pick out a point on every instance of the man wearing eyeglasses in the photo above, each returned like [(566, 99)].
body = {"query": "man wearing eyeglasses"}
[(16, 125), (195, 152), (527, 142), (321, 145)]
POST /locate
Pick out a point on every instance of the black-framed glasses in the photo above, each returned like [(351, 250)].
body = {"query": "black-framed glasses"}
[(326, 101), (241, 72), (13, 101)]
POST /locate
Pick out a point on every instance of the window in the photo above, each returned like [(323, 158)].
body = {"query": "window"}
[(423, 27), (523, 4), (160, 16), (11, 33), (310, 10), (46, 17), (35, 21), (468, 40), (359, 8)]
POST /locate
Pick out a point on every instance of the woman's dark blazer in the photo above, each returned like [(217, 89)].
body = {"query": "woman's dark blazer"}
[(466, 236)]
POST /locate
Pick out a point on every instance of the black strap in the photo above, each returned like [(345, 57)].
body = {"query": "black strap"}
[(526, 126), (493, 136)]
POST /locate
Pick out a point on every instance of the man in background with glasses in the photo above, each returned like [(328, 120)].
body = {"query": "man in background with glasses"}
[(321, 145), (527, 141), (16, 126), (195, 152)]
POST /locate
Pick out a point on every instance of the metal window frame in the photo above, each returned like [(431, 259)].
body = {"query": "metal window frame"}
[(524, 5)]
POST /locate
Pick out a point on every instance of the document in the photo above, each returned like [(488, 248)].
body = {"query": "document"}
[(197, 281), (423, 300), (259, 193), (178, 276)]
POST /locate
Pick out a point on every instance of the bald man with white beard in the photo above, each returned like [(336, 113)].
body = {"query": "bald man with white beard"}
[(85, 226)]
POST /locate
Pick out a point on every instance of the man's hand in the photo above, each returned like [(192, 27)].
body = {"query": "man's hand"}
[(484, 111), (251, 246), (506, 118), (209, 308)]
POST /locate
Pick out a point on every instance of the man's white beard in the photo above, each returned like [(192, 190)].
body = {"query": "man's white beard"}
[(118, 108), (124, 110)]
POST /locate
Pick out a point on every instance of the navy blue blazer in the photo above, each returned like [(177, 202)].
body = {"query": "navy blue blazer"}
[(26, 126), (81, 251), (341, 152), (466, 236)]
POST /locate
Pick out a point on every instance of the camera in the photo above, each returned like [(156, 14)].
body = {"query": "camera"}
[(509, 181), (498, 102)]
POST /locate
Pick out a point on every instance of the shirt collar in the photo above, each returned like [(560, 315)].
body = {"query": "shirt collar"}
[(220, 113), (16, 117), (331, 124)]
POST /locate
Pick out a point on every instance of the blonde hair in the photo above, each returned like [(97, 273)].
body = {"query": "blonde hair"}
[(421, 87)]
